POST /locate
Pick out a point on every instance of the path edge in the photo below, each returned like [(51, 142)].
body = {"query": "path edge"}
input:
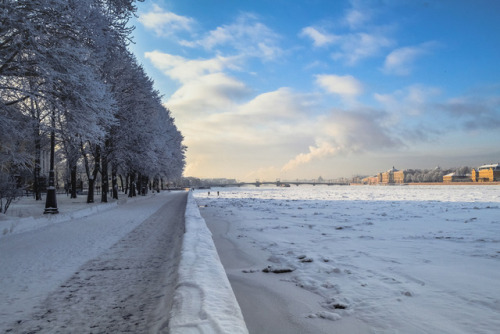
[(203, 299)]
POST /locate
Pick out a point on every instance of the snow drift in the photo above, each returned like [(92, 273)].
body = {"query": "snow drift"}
[(204, 301)]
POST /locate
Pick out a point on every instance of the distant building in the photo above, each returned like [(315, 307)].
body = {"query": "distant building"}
[(399, 176), (486, 173), (392, 176), (454, 177), (370, 180)]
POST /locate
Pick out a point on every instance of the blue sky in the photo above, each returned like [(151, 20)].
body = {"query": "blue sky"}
[(302, 89)]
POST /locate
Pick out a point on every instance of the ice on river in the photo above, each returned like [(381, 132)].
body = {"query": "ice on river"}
[(402, 259)]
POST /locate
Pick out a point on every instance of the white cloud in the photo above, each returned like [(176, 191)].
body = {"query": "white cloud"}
[(319, 151), (355, 18), (474, 113), (270, 119), (419, 95), (346, 86), (400, 61), (412, 111), (360, 130), (205, 87), (319, 38), (420, 114), (351, 47), (219, 36), (413, 100), (359, 14), (210, 93), (194, 164), (279, 104), (247, 35), (165, 23), (237, 137), (345, 132), (355, 47), (356, 43), (184, 70), (208, 98)]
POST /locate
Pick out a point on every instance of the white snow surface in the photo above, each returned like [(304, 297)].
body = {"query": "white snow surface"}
[(204, 301), (40, 252), (402, 259)]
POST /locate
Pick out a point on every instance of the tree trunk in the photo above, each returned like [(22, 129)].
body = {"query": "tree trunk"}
[(122, 184), (73, 181), (90, 194), (131, 191), (36, 175), (51, 198), (139, 184), (147, 185), (114, 182), (127, 179), (93, 176), (157, 185), (104, 179)]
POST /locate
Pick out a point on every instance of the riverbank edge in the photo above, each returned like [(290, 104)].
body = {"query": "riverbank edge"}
[(431, 184), (203, 297)]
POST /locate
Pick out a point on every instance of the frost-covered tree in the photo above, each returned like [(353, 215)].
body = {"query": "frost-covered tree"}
[(8, 191), (47, 68), (19, 73), (169, 147), (15, 157), (464, 170), (64, 65), (433, 175), (146, 143)]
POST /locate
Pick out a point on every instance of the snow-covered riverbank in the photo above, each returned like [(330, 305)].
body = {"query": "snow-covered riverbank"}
[(204, 301), (356, 259), (399, 259)]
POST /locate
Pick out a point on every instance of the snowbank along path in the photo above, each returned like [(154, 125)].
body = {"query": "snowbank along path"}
[(204, 301)]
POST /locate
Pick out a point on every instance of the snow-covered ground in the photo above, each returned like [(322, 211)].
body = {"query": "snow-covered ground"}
[(403, 259), (135, 265), (400, 259), (45, 254)]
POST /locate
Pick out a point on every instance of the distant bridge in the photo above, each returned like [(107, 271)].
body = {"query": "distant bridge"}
[(281, 183)]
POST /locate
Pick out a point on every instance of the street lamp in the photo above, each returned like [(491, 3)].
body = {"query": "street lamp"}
[(51, 200)]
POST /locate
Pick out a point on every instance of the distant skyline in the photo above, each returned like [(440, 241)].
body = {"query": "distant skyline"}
[(300, 89)]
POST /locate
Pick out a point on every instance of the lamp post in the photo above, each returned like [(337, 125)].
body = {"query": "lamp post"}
[(51, 200)]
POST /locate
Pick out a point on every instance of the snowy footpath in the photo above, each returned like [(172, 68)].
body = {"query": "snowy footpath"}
[(145, 265), (361, 259)]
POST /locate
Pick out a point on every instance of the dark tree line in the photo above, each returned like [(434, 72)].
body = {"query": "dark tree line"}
[(65, 70)]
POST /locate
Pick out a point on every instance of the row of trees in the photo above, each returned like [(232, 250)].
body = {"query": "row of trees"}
[(68, 81), (433, 175)]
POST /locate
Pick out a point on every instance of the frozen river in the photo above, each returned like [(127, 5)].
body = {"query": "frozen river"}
[(400, 259)]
